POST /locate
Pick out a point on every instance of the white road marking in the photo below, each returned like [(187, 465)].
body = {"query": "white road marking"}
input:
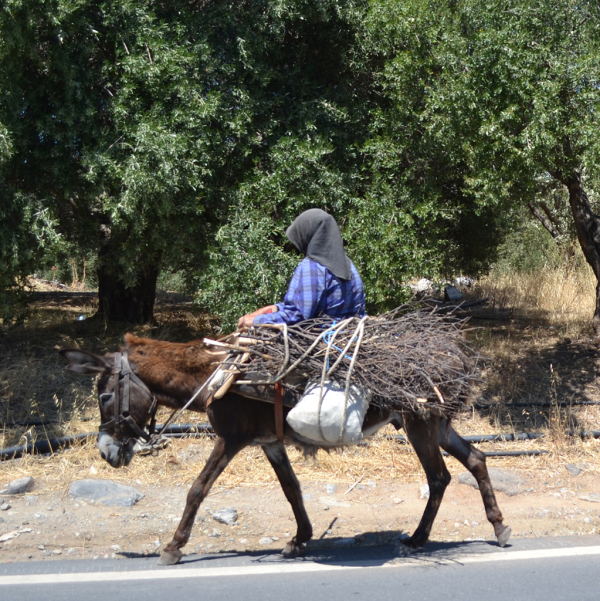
[(287, 568)]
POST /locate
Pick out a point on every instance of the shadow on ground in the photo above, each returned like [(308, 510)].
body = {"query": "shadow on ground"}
[(538, 379)]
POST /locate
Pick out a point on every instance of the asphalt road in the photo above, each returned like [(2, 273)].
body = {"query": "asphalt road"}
[(548, 569)]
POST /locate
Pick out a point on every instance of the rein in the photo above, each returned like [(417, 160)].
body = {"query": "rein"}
[(122, 416)]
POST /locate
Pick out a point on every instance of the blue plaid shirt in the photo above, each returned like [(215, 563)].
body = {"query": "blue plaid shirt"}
[(315, 291)]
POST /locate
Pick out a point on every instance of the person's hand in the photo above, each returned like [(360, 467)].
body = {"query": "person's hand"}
[(246, 321)]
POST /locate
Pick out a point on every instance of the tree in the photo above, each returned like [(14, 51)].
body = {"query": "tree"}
[(25, 228), (516, 89), (188, 135), (353, 142), (119, 131)]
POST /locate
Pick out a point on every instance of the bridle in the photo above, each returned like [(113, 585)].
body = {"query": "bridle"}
[(122, 418)]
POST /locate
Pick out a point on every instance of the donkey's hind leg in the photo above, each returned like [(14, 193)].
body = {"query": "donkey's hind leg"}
[(278, 458), (423, 435), (221, 455), (474, 460)]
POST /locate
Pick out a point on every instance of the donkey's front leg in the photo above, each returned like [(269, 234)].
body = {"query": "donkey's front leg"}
[(280, 462), (221, 455)]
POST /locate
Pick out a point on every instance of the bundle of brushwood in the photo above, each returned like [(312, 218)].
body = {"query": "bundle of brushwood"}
[(410, 359)]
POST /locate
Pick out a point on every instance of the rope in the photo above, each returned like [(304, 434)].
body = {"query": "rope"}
[(194, 397), (330, 340), (358, 331), (360, 328)]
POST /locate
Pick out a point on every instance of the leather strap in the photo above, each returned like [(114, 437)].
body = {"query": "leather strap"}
[(123, 371), (279, 410)]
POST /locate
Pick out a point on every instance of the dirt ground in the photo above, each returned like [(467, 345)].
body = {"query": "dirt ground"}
[(53, 525)]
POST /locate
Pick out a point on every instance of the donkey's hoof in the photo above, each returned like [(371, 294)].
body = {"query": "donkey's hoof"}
[(170, 558), (404, 547), (411, 542), (293, 549), (504, 536)]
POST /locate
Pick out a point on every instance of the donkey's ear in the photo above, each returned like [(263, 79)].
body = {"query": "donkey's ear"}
[(85, 363)]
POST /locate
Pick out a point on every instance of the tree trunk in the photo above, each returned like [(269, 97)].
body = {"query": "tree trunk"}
[(587, 224), (118, 302)]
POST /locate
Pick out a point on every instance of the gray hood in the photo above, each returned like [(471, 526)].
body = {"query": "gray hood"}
[(317, 236)]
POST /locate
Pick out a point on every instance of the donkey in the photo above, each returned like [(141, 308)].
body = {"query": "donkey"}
[(148, 372)]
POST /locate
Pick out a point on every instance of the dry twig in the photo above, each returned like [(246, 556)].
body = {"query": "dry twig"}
[(405, 356)]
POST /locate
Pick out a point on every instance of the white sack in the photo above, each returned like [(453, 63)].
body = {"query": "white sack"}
[(303, 418)]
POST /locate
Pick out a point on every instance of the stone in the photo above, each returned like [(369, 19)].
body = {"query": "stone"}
[(330, 489), (593, 497), (424, 491), (573, 469), (423, 286), (452, 294), (227, 515), (265, 540), (506, 481), (464, 281), (9, 536), (5, 507), (19, 486), (105, 492)]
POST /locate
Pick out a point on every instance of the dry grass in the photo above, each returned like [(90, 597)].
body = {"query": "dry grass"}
[(543, 353), (561, 298)]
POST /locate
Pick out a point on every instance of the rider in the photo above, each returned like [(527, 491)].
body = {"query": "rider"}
[(325, 282)]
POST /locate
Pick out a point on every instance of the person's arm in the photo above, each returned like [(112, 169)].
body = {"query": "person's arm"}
[(302, 298), (247, 320)]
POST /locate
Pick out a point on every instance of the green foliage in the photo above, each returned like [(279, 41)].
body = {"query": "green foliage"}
[(355, 144), (520, 88), (194, 133)]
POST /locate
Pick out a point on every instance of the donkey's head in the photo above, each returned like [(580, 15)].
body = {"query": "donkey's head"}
[(126, 403)]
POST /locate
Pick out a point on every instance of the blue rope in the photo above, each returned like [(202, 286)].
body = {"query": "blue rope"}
[(327, 336)]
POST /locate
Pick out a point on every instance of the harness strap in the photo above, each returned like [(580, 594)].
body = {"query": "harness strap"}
[(125, 374), (117, 404), (122, 370), (279, 411)]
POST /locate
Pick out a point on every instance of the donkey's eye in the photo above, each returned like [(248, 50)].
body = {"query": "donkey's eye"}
[(105, 397)]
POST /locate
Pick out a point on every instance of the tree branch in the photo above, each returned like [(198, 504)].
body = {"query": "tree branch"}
[(544, 221)]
